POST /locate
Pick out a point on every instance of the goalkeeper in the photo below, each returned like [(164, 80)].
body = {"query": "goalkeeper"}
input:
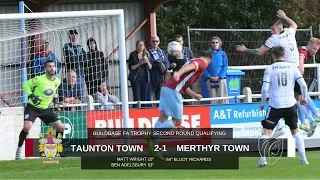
[(41, 92)]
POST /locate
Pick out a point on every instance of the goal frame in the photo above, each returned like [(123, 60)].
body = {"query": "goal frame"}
[(121, 39)]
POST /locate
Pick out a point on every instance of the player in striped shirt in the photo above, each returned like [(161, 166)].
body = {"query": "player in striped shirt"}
[(304, 53), (171, 95)]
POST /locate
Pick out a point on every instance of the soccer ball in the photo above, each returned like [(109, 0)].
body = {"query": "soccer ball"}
[(174, 48)]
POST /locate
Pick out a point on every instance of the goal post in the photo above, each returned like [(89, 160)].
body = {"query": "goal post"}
[(107, 26)]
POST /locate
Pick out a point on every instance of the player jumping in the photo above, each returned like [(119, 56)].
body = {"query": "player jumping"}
[(279, 80), (284, 37), (304, 52), (41, 91), (171, 95)]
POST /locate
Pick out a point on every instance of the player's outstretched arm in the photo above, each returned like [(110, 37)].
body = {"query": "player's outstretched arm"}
[(265, 88), (304, 90), (259, 51), (264, 93), (301, 64), (303, 86), (282, 15)]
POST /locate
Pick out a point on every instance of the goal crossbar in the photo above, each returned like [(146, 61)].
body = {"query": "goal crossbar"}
[(43, 15)]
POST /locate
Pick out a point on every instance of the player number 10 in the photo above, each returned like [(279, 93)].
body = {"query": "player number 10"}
[(160, 148), (282, 79)]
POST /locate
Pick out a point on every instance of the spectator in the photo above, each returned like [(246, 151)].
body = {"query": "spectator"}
[(160, 65), (75, 58), (103, 97), (214, 76), (177, 63), (139, 75), (96, 66), (69, 91), (40, 58)]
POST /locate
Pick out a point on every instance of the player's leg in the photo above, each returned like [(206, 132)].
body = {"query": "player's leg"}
[(280, 126), (268, 124), (51, 119), (304, 109), (291, 119), (279, 129), (170, 105), (152, 139), (312, 107), (308, 126), (29, 118), (163, 118)]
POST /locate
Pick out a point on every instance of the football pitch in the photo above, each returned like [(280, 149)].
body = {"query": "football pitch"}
[(69, 168)]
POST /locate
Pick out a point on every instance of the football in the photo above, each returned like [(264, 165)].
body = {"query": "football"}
[(174, 48)]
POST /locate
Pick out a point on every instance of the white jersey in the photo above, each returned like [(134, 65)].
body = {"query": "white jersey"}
[(287, 40), (281, 77)]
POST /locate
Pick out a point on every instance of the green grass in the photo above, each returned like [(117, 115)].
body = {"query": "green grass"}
[(69, 168)]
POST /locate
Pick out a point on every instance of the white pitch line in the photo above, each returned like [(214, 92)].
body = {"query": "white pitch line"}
[(36, 171)]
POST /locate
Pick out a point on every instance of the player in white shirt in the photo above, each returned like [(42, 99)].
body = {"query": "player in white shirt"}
[(279, 80), (284, 37)]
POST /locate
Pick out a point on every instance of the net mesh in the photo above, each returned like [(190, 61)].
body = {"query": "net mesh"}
[(200, 39), (32, 45)]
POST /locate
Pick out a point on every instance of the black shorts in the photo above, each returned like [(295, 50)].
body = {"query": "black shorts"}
[(297, 89), (289, 115), (46, 115)]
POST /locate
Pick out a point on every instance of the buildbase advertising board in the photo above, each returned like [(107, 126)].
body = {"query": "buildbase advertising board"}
[(193, 117), (245, 119)]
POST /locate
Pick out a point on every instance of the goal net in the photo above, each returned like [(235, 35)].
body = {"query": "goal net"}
[(251, 38), (89, 50)]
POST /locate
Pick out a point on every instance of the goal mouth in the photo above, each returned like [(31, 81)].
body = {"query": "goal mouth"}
[(78, 42)]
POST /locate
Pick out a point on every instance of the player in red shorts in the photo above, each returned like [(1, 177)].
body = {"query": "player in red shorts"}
[(171, 95)]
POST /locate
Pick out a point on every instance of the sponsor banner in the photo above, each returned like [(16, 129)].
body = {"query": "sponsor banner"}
[(245, 119), (74, 123), (243, 130), (236, 113), (194, 117)]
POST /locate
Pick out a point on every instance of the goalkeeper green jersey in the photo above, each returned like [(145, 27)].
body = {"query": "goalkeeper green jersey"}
[(43, 87)]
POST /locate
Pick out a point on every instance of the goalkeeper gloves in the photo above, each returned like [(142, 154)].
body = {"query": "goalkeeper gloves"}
[(55, 100), (35, 99), (56, 105)]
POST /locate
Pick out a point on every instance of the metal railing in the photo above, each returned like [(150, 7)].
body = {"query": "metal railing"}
[(247, 96)]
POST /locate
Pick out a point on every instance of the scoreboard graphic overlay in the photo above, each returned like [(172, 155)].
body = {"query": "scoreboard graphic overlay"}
[(184, 148)]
